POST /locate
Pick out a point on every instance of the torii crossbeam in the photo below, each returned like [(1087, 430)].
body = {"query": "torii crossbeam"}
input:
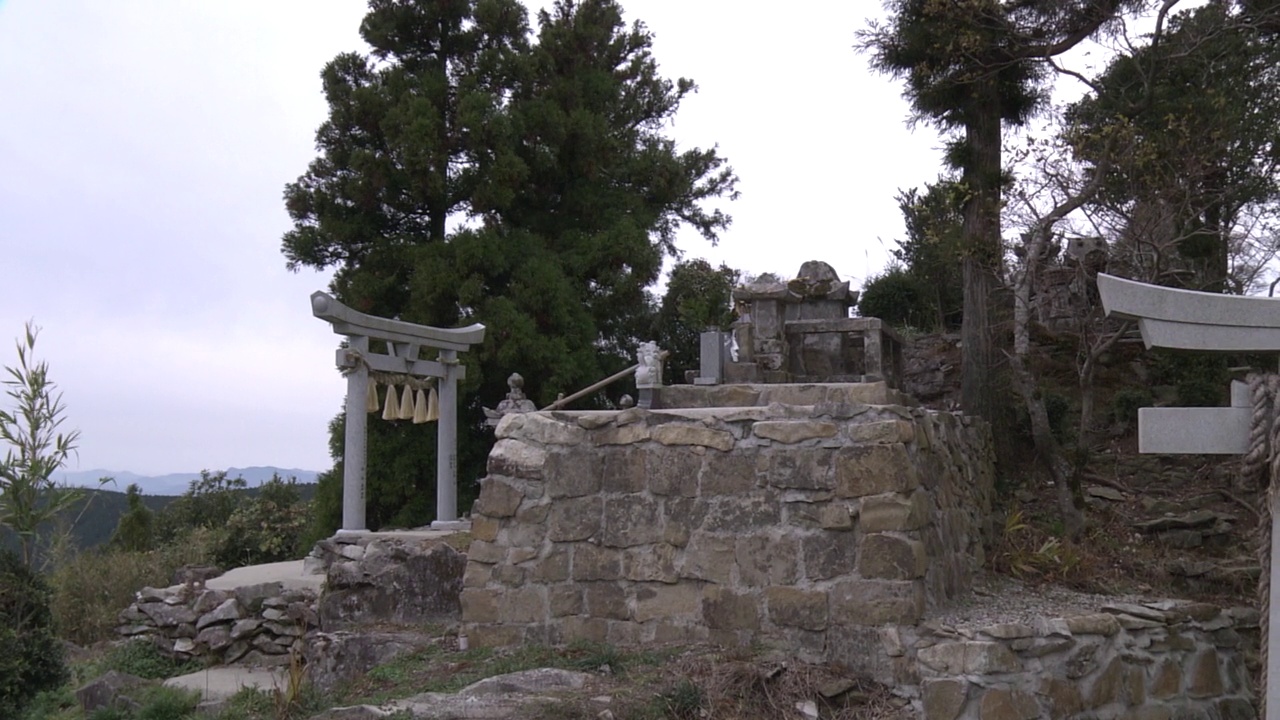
[(1206, 322), (404, 342)]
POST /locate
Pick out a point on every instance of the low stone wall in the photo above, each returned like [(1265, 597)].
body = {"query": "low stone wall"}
[(255, 625), (1150, 661), (805, 527)]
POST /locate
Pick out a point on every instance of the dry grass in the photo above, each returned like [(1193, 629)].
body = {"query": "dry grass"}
[(91, 588)]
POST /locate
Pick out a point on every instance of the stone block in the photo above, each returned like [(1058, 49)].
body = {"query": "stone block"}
[(574, 519), (592, 562), (792, 607), (485, 552), (665, 602), (656, 563), (730, 474), (890, 557), (894, 512), (801, 468), (498, 498), (763, 560), (876, 602), (1108, 685), (539, 427), (969, 658), (858, 650), (606, 600), (572, 473), (479, 606), (622, 469), (516, 459), (551, 569), (631, 520), (590, 629), (565, 600), (673, 471), (1095, 624), (484, 527), (943, 699), (742, 514), (495, 635), (884, 431), (687, 434), (828, 554), (523, 605), (1204, 677), (1062, 698), (836, 516), (1001, 704), (793, 431), (709, 557), (682, 516), (628, 434), (724, 609), (864, 470), (477, 575)]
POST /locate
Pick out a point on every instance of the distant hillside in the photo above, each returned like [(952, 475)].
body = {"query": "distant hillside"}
[(177, 483), (100, 512)]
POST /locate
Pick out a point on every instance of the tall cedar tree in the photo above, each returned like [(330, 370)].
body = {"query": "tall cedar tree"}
[(468, 175), (970, 66)]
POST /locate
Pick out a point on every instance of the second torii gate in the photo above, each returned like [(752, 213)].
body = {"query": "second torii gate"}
[(1206, 322), (404, 342)]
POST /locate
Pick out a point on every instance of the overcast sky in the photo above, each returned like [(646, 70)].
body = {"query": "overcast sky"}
[(144, 146)]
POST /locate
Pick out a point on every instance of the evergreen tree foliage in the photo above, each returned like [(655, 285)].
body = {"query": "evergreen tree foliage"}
[(698, 297), (468, 173), (931, 254), (1194, 119), (31, 655), (134, 529)]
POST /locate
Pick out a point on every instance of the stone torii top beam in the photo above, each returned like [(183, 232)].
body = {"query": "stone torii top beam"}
[(404, 342), (1206, 322)]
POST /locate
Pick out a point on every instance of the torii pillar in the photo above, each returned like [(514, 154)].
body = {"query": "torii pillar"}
[(404, 343), (1206, 322)]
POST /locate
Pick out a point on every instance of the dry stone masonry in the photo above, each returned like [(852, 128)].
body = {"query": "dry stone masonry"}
[(805, 524), (254, 625), (1148, 661)]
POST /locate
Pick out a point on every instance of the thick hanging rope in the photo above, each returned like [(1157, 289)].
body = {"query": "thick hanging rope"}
[(1262, 470)]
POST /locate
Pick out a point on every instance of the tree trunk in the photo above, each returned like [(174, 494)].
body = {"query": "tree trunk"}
[(979, 393)]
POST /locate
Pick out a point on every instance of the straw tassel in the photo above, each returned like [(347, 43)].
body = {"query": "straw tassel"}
[(372, 404), (406, 404), (433, 406), (392, 408), (420, 407)]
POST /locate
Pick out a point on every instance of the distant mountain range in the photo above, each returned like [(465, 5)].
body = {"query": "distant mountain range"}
[(177, 483)]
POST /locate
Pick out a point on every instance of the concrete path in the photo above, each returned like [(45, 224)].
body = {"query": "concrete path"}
[(289, 573), (219, 683)]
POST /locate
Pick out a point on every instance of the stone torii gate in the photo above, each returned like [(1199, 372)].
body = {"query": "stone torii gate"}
[(1206, 322), (404, 342)]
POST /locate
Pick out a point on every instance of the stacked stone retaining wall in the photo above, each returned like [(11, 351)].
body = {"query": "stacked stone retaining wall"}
[(1148, 661), (805, 527), (257, 624)]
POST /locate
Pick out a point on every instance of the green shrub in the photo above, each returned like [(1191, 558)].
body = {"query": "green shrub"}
[(166, 703), (898, 298), (31, 657), (1126, 402), (144, 659), (270, 527)]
